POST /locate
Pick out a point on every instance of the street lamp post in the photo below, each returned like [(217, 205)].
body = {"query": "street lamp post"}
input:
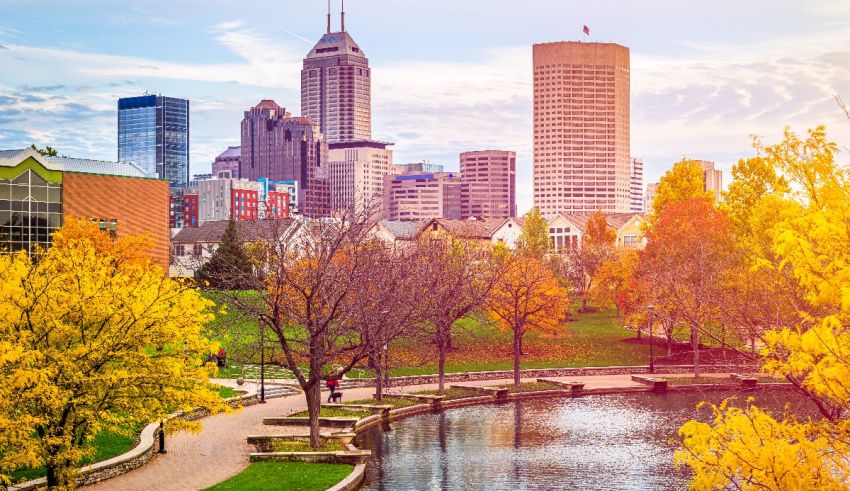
[(649, 309), (262, 361), (161, 438)]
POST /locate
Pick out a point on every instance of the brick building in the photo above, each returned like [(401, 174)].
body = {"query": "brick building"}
[(279, 147), (37, 193)]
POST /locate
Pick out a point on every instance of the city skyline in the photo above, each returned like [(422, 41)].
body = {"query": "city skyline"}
[(701, 85)]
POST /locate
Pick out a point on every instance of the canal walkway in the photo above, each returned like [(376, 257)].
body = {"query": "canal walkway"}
[(219, 450)]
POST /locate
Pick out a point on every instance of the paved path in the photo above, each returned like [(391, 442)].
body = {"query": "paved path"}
[(219, 451)]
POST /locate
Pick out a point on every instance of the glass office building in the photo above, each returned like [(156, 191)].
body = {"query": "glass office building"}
[(153, 133)]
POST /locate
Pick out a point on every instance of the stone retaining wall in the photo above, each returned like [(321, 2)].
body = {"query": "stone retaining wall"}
[(135, 458)]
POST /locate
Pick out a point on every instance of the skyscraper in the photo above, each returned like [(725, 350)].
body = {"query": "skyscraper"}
[(356, 174), (153, 133), (581, 127), (712, 179), (336, 87), (488, 184), (420, 196), (279, 147), (636, 185)]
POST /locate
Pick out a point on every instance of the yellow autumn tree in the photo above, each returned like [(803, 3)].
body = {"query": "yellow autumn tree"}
[(683, 181), (527, 296), (93, 337), (747, 448)]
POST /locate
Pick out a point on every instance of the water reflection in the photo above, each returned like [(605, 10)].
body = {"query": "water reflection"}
[(622, 441)]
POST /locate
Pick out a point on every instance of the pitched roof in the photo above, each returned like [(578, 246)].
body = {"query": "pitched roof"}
[(614, 220), (403, 229), (249, 231), (105, 167), (69, 164), (472, 229)]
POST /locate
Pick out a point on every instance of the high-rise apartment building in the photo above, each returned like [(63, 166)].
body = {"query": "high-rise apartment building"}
[(651, 191), (636, 185), (279, 147), (153, 133), (418, 196), (581, 128), (488, 184), (423, 166), (336, 87), (356, 172), (226, 164), (712, 179)]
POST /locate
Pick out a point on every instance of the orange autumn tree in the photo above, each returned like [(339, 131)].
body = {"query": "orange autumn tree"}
[(93, 338), (686, 262), (597, 247), (527, 296)]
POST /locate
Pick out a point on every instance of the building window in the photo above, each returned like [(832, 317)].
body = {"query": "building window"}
[(197, 249)]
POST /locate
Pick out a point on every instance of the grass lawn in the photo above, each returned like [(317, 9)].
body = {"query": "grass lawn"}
[(293, 476), (530, 387), (304, 446), (227, 392), (593, 339), (395, 402), (106, 444), (331, 412), (450, 393)]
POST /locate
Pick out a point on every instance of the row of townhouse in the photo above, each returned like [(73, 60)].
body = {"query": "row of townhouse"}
[(565, 231), (193, 246)]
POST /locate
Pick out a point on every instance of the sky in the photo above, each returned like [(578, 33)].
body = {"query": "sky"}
[(448, 75)]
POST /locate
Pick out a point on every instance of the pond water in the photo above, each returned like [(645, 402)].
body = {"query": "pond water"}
[(616, 442)]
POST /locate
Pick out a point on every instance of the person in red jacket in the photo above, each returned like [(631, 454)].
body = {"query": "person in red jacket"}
[(333, 384)]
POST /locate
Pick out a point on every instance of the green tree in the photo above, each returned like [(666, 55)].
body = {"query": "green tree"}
[(47, 151), (534, 240), (229, 267)]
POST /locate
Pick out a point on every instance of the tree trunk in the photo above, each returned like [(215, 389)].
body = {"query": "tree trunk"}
[(517, 354), (695, 345), (314, 407), (638, 331), (441, 378), (58, 476), (670, 343), (379, 378)]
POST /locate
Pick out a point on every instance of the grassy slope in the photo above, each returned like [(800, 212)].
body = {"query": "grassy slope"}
[(593, 339), (292, 476)]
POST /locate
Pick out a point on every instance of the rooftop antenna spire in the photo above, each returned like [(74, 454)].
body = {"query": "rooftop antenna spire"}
[(342, 17), (329, 16)]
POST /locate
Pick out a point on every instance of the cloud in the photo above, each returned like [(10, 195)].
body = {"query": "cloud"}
[(702, 99)]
